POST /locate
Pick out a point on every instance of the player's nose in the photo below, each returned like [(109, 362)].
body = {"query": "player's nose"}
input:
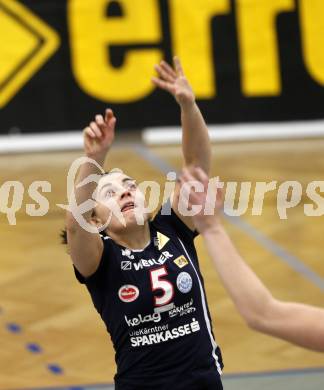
[(125, 193)]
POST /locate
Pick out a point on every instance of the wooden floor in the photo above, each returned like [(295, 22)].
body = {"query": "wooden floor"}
[(42, 303)]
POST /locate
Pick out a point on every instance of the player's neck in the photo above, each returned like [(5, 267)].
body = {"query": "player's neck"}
[(138, 238)]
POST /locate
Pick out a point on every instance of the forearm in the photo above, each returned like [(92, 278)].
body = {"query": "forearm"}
[(85, 192), (297, 323), (195, 138), (294, 322), (249, 295)]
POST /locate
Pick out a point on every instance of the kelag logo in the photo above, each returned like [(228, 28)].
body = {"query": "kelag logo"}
[(247, 60)]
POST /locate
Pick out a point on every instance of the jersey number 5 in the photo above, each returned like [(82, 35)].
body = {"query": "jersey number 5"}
[(158, 283)]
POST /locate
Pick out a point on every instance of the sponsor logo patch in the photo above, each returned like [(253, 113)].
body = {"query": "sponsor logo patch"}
[(126, 265), (184, 282), (181, 261), (161, 240), (128, 293), (182, 310)]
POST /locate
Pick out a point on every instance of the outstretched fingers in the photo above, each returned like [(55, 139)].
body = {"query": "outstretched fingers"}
[(95, 128), (200, 175), (108, 124), (168, 68), (108, 115), (210, 198), (178, 66), (164, 73), (167, 86), (187, 182), (100, 120), (187, 176), (101, 126), (89, 132)]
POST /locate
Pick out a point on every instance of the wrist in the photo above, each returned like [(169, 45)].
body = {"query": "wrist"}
[(98, 157), (188, 105), (212, 230)]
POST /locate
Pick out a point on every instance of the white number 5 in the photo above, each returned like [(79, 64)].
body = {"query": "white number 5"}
[(164, 285)]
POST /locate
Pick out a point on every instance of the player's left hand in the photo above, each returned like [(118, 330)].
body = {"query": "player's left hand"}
[(174, 81)]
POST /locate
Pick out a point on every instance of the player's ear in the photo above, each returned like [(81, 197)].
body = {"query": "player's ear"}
[(95, 220)]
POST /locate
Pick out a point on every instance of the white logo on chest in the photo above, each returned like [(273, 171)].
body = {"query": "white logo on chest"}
[(128, 253), (142, 263), (155, 317), (146, 263)]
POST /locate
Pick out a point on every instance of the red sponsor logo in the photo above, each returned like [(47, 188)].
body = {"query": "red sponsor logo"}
[(128, 293)]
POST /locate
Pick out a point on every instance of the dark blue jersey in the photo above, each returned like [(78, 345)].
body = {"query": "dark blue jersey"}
[(154, 305)]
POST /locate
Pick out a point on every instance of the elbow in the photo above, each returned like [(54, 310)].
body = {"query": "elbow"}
[(253, 318), (259, 318), (255, 322)]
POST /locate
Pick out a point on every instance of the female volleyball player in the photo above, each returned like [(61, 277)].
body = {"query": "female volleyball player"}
[(144, 280), (297, 323)]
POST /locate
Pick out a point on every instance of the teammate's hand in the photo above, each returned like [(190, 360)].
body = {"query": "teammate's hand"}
[(99, 135), (174, 81), (212, 200)]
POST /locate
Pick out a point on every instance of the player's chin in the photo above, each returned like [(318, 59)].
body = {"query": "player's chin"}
[(135, 216)]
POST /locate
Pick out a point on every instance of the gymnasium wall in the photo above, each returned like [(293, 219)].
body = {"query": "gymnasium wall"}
[(248, 60)]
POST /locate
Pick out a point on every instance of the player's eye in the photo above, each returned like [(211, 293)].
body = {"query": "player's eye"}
[(131, 185), (110, 193)]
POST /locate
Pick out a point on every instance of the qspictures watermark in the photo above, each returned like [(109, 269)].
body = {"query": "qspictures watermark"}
[(240, 198)]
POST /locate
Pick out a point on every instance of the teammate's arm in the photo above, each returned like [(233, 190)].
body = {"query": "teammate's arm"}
[(294, 322), (195, 138), (297, 323), (86, 248)]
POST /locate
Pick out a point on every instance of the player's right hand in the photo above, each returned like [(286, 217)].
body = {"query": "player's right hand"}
[(99, 135), (212, 200)]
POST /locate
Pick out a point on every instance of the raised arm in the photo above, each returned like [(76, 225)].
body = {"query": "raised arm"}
[(85, 247), (196, 146), (297, 323)]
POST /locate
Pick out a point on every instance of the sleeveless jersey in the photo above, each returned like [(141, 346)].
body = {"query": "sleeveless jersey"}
[(154, 306)]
